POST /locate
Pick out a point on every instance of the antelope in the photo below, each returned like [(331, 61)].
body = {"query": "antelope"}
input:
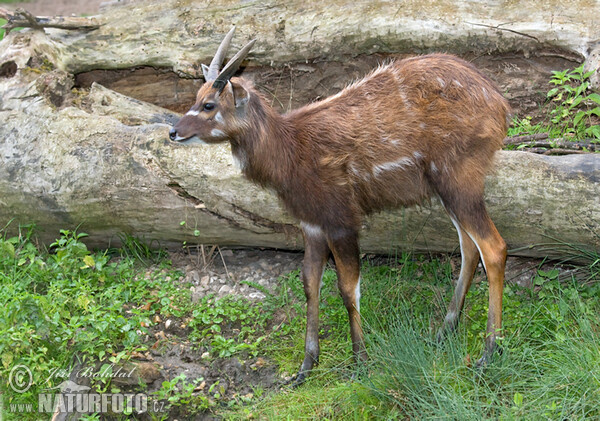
[(412, 129)]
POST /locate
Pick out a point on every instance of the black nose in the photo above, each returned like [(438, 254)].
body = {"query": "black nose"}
[(172, 134)]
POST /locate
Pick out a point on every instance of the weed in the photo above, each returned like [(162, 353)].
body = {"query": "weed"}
[(138, 249), (572, 110), (574, 106), (245, 318), (179, 392)]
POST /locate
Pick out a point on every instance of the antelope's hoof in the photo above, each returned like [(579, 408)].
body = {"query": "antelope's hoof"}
[(488, 356), (443, 333), (297, 380)]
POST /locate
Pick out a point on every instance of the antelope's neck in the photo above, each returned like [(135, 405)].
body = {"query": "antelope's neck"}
[(266, 149)]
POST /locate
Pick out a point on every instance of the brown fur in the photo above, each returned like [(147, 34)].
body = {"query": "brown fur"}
[(412, 129)]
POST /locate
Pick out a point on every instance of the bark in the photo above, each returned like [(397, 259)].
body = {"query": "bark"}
[(71, 155)]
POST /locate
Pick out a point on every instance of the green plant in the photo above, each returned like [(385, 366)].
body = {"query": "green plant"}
[(574, 107), (139, 250), (181, 393), (520, 126), (210, 314), (573, 111), (69, 301)]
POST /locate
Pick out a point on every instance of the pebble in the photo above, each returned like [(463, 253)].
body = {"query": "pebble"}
[(225, 289), (257, 296), (204, 280)]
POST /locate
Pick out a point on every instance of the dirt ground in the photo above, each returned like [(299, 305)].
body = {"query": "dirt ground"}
[(59, 7)]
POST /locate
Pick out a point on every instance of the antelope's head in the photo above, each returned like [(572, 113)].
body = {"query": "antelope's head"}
[(220, 104)]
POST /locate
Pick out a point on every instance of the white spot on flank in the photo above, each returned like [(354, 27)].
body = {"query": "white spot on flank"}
[(192, 112), (217, 133), (434, 168), (352, 167), (219, 118), (311, 230), (357, 295), (441, 81), (417, 155), (398, 164), (457, 83)]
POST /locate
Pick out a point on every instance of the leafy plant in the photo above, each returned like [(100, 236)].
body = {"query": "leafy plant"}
[(210, 314), (573, 111), (574, 107), (179, 392), (67, 301)]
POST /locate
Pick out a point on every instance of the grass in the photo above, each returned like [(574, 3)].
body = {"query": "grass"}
[(550, 367), (68, 302)]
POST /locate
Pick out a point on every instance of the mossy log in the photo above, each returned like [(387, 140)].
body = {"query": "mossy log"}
[(76, 153)]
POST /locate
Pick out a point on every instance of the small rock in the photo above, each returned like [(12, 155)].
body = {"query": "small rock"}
[(204, 280), (257, 296), (193, 276), (225, 289)]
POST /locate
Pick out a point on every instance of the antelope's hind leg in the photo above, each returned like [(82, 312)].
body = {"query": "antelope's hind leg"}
[(471, 218), (315, 256), (469, 259)]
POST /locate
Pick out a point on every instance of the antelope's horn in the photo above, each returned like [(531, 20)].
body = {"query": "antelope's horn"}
[(232, 66), (212, 71)]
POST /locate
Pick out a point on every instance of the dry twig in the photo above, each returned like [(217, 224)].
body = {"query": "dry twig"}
[(539, 143), (23, 19)]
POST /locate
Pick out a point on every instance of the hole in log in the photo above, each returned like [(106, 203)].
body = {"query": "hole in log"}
[(522, 79), (8, 69), (157, 86)]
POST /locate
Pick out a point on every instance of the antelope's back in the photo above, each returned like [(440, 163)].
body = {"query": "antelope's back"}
[(389, 139)]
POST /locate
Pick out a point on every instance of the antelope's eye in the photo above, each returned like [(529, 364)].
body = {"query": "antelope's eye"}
[(209, 106)]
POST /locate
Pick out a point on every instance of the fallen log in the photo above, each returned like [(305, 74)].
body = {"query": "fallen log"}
[(73, 154)]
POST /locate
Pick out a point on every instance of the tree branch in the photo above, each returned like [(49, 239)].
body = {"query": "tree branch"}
[(539, 143), (23, 19)]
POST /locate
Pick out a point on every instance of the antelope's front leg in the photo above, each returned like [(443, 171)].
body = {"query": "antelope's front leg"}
[(344, 246), (315, 256)]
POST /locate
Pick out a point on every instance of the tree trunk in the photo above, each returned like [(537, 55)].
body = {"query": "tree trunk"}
[(75, 152)]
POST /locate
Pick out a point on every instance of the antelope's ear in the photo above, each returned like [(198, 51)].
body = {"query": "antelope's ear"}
[(205, 72), (240, 95)]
